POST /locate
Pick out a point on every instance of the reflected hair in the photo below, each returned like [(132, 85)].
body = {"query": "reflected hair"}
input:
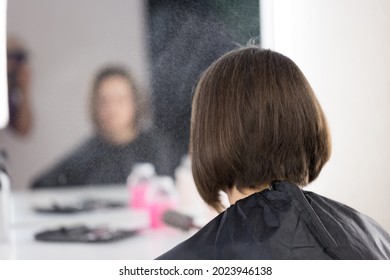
[(140, 100), (255, 119)]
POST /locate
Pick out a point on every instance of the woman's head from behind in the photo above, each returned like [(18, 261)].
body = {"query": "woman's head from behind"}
[(255, 119), (115, 104)]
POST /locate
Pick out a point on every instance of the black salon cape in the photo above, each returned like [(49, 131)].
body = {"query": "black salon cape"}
[(97, 161), (286, 223)]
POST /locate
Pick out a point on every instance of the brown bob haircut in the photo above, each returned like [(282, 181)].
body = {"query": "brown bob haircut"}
[(255, 119), (140, 101)]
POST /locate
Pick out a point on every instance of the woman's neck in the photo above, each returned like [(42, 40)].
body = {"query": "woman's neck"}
[(234, 194), (121, 138)]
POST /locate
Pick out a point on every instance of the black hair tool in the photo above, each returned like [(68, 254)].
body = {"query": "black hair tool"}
[(179, 220)]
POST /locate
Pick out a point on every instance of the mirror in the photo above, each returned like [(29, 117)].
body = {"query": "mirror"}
[(165, 44)]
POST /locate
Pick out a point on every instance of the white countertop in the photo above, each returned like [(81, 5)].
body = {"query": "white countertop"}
[(26, 222)]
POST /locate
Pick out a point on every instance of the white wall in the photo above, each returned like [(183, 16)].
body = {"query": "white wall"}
[(4, 114), (68, 41), (343, 48)]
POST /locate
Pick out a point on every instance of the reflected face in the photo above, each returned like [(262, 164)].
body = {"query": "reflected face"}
[(115, 106)]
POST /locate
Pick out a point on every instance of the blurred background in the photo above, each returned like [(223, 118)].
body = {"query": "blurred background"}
[(340, 45)]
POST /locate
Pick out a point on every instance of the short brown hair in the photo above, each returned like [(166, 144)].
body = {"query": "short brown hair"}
[(255, 119)]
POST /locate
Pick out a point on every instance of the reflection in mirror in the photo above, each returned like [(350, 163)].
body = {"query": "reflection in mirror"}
[(119, 139), (165, 44), (18, 75)]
